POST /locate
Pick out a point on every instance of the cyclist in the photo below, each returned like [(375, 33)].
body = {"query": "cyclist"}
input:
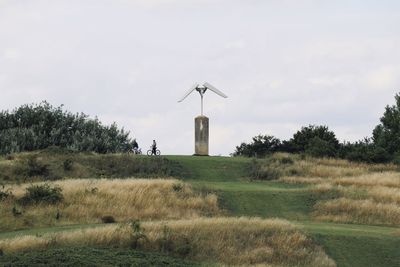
[(135, 146), (154, 148)]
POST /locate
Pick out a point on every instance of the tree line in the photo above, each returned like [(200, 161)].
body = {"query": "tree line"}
[(38, 126), (319, 141)]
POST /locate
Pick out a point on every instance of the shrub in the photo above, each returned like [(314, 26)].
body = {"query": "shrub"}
[(67, 164), (317, 147), (36, 194), (261, 146), (36, 168), (10, 157), (108, 219), (5, 193), (16, 212), (307, 138), (267, 169), (177, 187)]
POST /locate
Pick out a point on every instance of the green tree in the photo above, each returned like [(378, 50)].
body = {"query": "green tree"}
[(32, 127), (386, 135), (317, 140)]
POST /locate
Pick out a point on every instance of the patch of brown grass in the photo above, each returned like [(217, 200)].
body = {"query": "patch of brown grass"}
[(232, 241), (359, 211), (388, 179), (87, 200), (361, 196)]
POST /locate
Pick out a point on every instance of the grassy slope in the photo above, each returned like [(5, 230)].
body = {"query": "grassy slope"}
[(347, 244)]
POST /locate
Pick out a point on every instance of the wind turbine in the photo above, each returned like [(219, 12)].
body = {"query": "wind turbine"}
[(202, 90), (201, 123)]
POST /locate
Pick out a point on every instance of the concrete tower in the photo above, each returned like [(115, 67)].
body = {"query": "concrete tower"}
[(201, 135)]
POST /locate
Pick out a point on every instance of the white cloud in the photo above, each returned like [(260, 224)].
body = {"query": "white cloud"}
[(383, 78), (11, 53)]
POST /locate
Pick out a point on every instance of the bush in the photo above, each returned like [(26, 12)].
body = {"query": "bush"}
[(36, 194), (313, 136), (10, 157), (36, 168), (267, 169), (108, 219), (16, 212), (67, 164), (261, 146), (364, 151), (5, 193), (317, 147)]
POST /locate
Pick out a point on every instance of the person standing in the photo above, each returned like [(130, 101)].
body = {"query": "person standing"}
[(154, 147), (135, 146)]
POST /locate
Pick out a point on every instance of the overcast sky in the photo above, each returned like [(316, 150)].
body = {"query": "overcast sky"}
[(284, 64)]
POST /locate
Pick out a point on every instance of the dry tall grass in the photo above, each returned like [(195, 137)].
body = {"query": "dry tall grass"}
[(365, 193), (233, 241), (87, 200), (371, 198), (360, 211), (327, 167)]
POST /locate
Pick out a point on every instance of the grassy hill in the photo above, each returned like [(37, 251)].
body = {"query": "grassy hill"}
[(301, 190)]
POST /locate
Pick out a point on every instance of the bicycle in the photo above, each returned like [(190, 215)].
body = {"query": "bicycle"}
[(150, 152), (135, 151)]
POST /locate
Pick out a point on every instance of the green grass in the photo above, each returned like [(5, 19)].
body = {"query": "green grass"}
[(211, 168), (262, 199), (84, 256), (361, 251), (356, 245)]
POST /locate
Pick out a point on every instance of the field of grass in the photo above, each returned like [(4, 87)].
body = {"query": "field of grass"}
[(316, 195)]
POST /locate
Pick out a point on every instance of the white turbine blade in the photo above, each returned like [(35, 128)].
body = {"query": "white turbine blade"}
[(215, 90), (189, 92)]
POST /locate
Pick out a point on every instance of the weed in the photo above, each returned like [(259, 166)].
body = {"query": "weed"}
[(92, 190), (177, 187), (137, 234), (165, 243), (58, 215)]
